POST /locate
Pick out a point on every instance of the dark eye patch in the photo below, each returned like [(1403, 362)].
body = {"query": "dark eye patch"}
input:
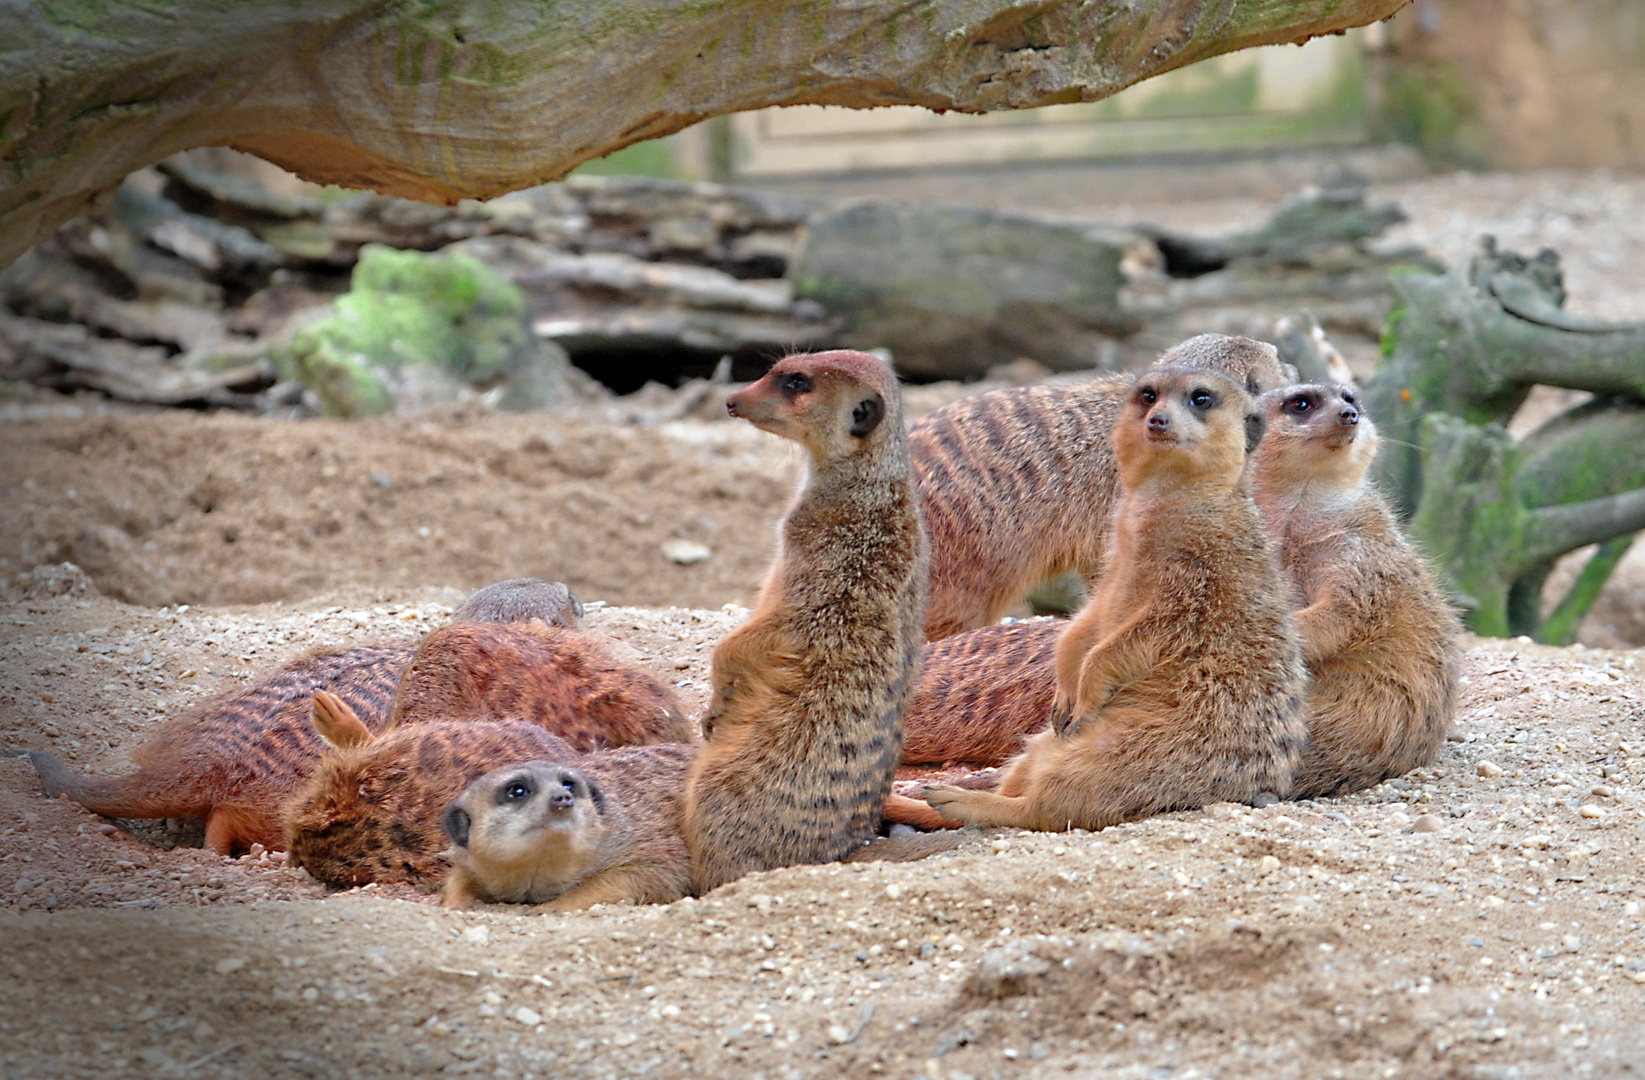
[(1300, 405), (794, 383), (1201, 398), (1147, 395), (1349, 397), (517, 789)]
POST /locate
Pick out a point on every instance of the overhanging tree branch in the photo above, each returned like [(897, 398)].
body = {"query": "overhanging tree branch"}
[(472, 99)]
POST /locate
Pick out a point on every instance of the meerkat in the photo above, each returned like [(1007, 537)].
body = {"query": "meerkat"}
[(1016, 485), (1180, 683), (372, 809), (563, 680), (522, 600), (1381, 641), (605, 830), (804, 725), (233, 760)]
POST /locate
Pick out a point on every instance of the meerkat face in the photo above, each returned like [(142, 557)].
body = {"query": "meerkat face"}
[(1185, 424), (834, 403), (1317, 432), (510, 815)]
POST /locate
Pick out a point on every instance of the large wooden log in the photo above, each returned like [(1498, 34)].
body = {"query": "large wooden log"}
[(467, 98)]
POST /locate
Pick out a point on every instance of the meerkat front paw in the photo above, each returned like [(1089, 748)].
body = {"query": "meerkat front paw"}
[(948, 800)]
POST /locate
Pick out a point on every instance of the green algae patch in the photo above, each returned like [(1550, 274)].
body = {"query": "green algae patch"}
[(416, 329)]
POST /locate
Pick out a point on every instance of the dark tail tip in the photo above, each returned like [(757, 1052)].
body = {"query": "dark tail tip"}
[(55, 777)]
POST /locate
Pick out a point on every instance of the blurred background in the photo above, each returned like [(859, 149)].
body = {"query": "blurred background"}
[(1263, 192)]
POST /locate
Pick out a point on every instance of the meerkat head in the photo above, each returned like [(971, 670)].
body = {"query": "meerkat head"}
[(1318, 434), (518, 814), (1254, 364), (836, 404), (521, 600), (1185, 425)]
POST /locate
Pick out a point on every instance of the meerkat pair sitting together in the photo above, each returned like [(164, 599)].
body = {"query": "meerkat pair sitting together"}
[(1378, 636)]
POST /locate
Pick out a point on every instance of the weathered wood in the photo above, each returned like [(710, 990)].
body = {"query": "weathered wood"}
[(1465, 349), (472, 99)]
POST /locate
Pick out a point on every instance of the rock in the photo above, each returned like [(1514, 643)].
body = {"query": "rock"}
[(954, 291), (528, 1017), (229, 964), (686, 552), (1489, 770), (416, 330), (1591, 812), (1427, 823)]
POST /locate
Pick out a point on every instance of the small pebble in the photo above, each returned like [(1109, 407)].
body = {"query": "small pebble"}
[(230, 963), (476, 935), (1268, 864), (686, 552), (528, 1017), (1591, 812), (893, 891), (1602, 791), (1427, 823), (1489, 770)]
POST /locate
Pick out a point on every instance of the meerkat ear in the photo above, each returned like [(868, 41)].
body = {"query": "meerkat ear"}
[(456, 824), (594, 793), (337, 723), (1255, 425), (867, 415)]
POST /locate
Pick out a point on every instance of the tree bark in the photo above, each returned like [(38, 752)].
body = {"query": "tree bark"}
[(471, 99)]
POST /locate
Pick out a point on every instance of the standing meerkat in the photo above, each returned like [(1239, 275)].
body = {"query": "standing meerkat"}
[(1180, 683), (602, 830), (805, 722), (1016, 485), (1381, 641)]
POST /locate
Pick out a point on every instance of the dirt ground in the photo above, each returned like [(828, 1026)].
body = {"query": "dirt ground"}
[(1479, 919)]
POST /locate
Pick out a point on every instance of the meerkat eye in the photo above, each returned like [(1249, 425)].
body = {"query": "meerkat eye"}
[(1348, 396), (569, 784), (794, 383), (1298, 406), (515, 790), (1147, 395), (1202, 399)]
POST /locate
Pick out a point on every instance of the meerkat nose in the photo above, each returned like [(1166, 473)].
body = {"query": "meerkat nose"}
[(1348, 415), (1159, 422), (561, 800)]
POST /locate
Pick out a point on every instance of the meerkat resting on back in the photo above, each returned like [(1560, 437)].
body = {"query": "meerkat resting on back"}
[(1381, 641), (604, 829), (235, 759), (1180, 683), (1016, 485), (805, 723)]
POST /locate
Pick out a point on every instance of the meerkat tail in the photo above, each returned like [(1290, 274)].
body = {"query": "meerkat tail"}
[(912, 847), (136, 795)]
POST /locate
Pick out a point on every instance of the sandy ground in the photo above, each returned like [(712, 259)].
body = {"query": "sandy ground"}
[(1480, 919), (1477, 919)]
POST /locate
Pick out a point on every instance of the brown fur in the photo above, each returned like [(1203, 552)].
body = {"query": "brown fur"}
[(613, 837), (563, 680), (233, 760), (805, 723), (981, 693), (1380, 638), (522, 600), (1181, 682), (1017, 485), (372, 812)]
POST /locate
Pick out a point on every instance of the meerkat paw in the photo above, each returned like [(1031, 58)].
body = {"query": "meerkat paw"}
[(977, 807)]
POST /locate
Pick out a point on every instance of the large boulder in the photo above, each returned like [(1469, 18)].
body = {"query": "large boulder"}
[(953, 291)]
